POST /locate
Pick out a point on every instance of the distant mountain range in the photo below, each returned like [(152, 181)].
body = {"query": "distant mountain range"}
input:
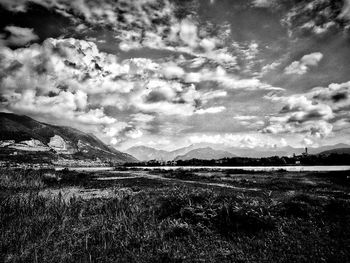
[(144, 153), (24, 134), (217, 151), (205, 154)]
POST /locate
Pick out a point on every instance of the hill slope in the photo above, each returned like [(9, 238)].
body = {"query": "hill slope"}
[(26, 134), (337, 151)]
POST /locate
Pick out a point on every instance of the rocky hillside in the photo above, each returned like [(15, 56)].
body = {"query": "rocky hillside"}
[(25, 134)]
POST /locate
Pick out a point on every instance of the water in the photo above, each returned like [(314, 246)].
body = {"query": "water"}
[(298, 168), (88, 169)]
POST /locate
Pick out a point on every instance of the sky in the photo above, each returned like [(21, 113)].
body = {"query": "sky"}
[(170, 73)]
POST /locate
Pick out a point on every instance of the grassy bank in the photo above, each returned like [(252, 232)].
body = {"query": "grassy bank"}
[(168, 223)]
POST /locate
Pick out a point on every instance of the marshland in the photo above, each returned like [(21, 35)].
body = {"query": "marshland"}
[(143, 215)]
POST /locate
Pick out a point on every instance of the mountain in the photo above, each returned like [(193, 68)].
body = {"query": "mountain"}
[(337, 151), (144, 153), (22, 133), (260, 152), (328, 148), (205, 154)]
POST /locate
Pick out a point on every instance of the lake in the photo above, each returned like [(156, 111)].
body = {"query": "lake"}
[(298, 168)]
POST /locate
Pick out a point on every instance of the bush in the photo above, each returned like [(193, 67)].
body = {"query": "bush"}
[(177, 229), (231, 219), (337, 208), (301, 206)]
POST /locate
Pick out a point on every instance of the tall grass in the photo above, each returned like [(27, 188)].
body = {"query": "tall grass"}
[(168, 225), (30, 179)]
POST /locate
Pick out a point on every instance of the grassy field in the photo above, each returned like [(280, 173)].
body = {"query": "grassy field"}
[(174, 216)]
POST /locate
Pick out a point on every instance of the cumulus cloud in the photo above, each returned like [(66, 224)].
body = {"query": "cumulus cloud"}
[(242, 140), (312, 113), (71, 81), (18, 36), (188, 33), (245, 117), (249, 121), (336, 95), (154, 24), (211, 110), (301, 67), (228, 81), (263, 3)]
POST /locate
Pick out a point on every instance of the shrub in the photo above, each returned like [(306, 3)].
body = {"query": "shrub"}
[(337, 208), (177, 229), (231, 219), (302, 206)]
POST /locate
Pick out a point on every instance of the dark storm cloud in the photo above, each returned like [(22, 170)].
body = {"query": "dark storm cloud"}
[(303, 17), (44, 22), (335, 97), (340, 96)]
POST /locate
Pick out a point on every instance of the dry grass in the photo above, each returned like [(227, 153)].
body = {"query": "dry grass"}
[(171, 224)]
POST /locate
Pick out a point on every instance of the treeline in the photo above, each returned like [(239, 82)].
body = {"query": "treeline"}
[(331, 159)]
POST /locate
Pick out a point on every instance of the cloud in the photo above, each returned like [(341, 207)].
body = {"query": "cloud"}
[(154, 24), (263, 3), (19, 36), (245, 118), (316, 17), (243, 140), (250, 121), (307, 142), (314, 113), (345, 13), (335, 95), (211, 110), (171, 70), (71, 82), (318, 129), (228, 81), (188, 33), (301, 67), (301, 115)]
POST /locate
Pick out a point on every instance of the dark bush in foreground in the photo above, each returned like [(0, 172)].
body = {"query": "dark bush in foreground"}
[(225, 215), (230, 219)]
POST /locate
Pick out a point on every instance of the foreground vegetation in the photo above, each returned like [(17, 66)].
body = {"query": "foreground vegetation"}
[(149, 221)]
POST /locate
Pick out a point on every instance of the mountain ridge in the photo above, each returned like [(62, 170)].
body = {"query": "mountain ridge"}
[(206, 153), (258, 152), (20, 132)]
